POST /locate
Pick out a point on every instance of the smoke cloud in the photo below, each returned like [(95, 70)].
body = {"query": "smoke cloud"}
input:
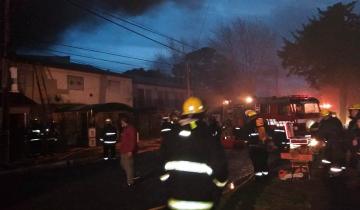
[(47, 20)]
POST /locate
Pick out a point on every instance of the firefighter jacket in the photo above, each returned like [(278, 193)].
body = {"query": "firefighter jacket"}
[(194, 162), (167, 128), (353, 135), (257, 132), (51, 133), (109, 134), (331, 130), (35, 132)]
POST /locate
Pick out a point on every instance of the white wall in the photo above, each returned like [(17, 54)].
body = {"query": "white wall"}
[(98, 88)]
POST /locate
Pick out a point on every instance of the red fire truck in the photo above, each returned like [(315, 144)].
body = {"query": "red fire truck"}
[(302, 111)]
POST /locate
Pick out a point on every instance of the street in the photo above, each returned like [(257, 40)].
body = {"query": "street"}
[(99, 185)]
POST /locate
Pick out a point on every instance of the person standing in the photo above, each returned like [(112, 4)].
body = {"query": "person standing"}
[(109, 139), (258, 137), (351, 134), (194, 163), (332, 131), (128, 148)]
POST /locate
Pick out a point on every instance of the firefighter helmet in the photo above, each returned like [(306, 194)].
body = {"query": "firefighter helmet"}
[(250, 113), (325, 112), (193, 105), (354, 106)]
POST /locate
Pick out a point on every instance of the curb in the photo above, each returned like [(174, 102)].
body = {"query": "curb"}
[(57, 164)]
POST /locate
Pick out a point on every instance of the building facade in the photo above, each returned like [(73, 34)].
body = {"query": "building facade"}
[(69, 83)]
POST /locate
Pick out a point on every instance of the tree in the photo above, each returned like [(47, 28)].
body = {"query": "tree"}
[(250, 47), (326, 51), (210, 73)]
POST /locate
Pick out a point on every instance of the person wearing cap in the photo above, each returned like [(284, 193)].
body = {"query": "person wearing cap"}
[(109, 139), (332, 131), (258, 136), (194, 163)]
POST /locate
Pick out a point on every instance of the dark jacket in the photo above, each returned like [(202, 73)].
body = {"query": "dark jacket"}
[(109, 134), (251, 132), (194, 144), (331, 130)]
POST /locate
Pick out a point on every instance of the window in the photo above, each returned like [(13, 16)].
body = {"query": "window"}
[(284, 109), (75, 82), (264, 108), (311, 108)]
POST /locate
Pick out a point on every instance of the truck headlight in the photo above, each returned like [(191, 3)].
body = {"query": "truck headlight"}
[(313, 143)]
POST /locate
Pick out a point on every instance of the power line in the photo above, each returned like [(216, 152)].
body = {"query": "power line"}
[(145, 28), (85, 56), (119, 25), (109, 53), (99, 51)]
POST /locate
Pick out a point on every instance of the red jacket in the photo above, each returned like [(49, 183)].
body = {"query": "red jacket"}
[(128, 139)]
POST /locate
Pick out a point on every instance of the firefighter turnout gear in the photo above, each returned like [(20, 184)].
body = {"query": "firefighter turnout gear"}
[(332, 131), (193, 105), (109, 139), (257, 134), (195, 166), (34, 137), (51, 137), (352, 135)]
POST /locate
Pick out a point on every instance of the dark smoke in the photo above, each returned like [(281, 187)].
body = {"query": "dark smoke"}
[(46, 20)]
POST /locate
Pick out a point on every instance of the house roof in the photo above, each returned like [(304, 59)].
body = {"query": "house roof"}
[(64, 62), (18, 100)]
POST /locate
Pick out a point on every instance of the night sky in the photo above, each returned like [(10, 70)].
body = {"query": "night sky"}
[(192, 21)]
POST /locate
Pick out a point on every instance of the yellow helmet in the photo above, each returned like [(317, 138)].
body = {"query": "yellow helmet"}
[(354, 106), (325, 112), (193, 105), (250, 113)]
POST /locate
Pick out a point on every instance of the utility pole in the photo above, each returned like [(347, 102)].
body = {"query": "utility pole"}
[(188, 85), (5, 134)]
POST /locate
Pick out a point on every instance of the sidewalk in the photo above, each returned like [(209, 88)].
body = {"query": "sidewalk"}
[(74, 156)]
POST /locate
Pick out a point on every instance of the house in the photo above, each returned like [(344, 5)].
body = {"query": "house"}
[(55, 80), (155, 96), (69, 92)]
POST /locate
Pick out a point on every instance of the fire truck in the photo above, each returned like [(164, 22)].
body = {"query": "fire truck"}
[(301, 111)]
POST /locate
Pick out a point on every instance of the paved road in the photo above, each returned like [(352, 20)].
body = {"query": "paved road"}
[(94, 186)]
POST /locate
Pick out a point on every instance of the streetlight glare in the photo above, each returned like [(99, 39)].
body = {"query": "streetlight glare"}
[(249, 100), (226, 102), (326, 106)]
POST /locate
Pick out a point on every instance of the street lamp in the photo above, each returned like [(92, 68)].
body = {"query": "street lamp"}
[(249, 99), (326, 106), (226, 102)]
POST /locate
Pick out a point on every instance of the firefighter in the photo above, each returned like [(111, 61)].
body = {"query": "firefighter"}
[(34, 137), (194, 162), (258, 136), (109, 139), (354, 114), (51, 137), (170, 123), (331, 130), (215, 128), (351, 134)]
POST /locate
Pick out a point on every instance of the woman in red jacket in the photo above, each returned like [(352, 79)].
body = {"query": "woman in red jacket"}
[(128, 147)]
